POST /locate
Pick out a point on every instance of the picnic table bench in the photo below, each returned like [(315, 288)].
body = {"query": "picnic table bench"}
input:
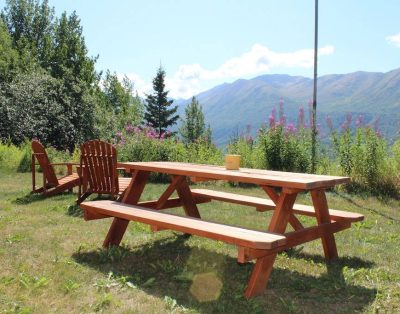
[(262, 246)]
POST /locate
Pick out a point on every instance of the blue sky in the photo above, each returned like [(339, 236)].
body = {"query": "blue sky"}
[(204, 43)]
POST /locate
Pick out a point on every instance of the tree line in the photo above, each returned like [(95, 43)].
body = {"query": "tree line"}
[(50, 89)]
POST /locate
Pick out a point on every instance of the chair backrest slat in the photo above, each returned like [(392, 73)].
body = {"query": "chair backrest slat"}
[(41, 156), (100, 162)]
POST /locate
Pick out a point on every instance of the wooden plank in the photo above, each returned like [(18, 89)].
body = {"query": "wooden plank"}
[(263, 204), (255, 176), (292, 239), (170, 203), (198, 179), (226, 233)]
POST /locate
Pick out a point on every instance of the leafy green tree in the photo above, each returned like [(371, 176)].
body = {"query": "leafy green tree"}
[(159, 114), (34, 106), (193, 126), (30, 24), (57, 47), (70, 63), (116, 106), (9, 58)]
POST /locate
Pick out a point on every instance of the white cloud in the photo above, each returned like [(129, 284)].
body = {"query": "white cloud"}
[(187, 81), (394, 39), (192, 79)]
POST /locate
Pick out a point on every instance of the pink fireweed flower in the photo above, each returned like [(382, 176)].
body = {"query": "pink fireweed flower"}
[(360, 121), (129, 128), (376, 123), (344, 126), (282, 120), (301, 117), (272, 119), (329, 122), (291, 129)]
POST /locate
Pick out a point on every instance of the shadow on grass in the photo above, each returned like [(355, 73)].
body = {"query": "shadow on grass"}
[(212, 282), (35, 197), (74, 210), (28, 199)]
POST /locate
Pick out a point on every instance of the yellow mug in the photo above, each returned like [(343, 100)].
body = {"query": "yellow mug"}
[(232, 162)]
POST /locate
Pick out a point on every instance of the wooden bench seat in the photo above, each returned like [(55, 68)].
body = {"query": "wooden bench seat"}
[(230, 234), (263, 204)]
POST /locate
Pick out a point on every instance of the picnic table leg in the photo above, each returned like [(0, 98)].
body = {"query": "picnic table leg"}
[(322, 214), (131, 196), (263, 267), (116, 232), (188, 202)]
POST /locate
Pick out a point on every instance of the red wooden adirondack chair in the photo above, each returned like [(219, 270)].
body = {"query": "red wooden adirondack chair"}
[(99, 170), (51, 184)]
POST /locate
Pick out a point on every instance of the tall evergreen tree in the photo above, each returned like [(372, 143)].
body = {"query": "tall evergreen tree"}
[(159, 113), (193, 126)]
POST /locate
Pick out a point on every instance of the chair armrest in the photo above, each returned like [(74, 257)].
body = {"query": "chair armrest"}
[(68, 164), (65, 163)]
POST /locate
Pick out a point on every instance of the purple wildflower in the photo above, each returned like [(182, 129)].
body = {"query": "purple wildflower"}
[(272, 119), (301, 117), (129, 128), (290, 128), (282, 120), (360, 121), (329, 122)]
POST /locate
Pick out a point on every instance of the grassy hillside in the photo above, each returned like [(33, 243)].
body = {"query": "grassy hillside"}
[(52, 261)]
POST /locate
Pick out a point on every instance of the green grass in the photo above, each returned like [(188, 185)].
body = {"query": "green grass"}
[(51, 261)]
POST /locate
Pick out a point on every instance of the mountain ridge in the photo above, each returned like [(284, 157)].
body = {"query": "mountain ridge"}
[(230, 108)]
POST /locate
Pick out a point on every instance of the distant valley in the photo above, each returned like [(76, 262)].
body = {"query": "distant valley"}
[(231, 108)]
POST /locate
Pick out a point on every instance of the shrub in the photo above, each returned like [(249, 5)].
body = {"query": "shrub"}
[(362, 154), (285, 150), (143, 144), (10, 156)]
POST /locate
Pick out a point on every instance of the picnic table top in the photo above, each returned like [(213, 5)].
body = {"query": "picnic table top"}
[(246, 175)]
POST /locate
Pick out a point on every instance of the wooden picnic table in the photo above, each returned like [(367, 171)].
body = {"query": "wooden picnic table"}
[(280, 187)]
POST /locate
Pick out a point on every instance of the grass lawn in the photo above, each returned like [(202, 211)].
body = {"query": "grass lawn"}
[(51, 261)]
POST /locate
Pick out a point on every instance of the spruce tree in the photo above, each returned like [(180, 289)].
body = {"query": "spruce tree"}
[(159, 113), (193, 126)]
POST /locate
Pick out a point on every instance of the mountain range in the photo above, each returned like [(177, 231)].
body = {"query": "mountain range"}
[(233, 108)]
